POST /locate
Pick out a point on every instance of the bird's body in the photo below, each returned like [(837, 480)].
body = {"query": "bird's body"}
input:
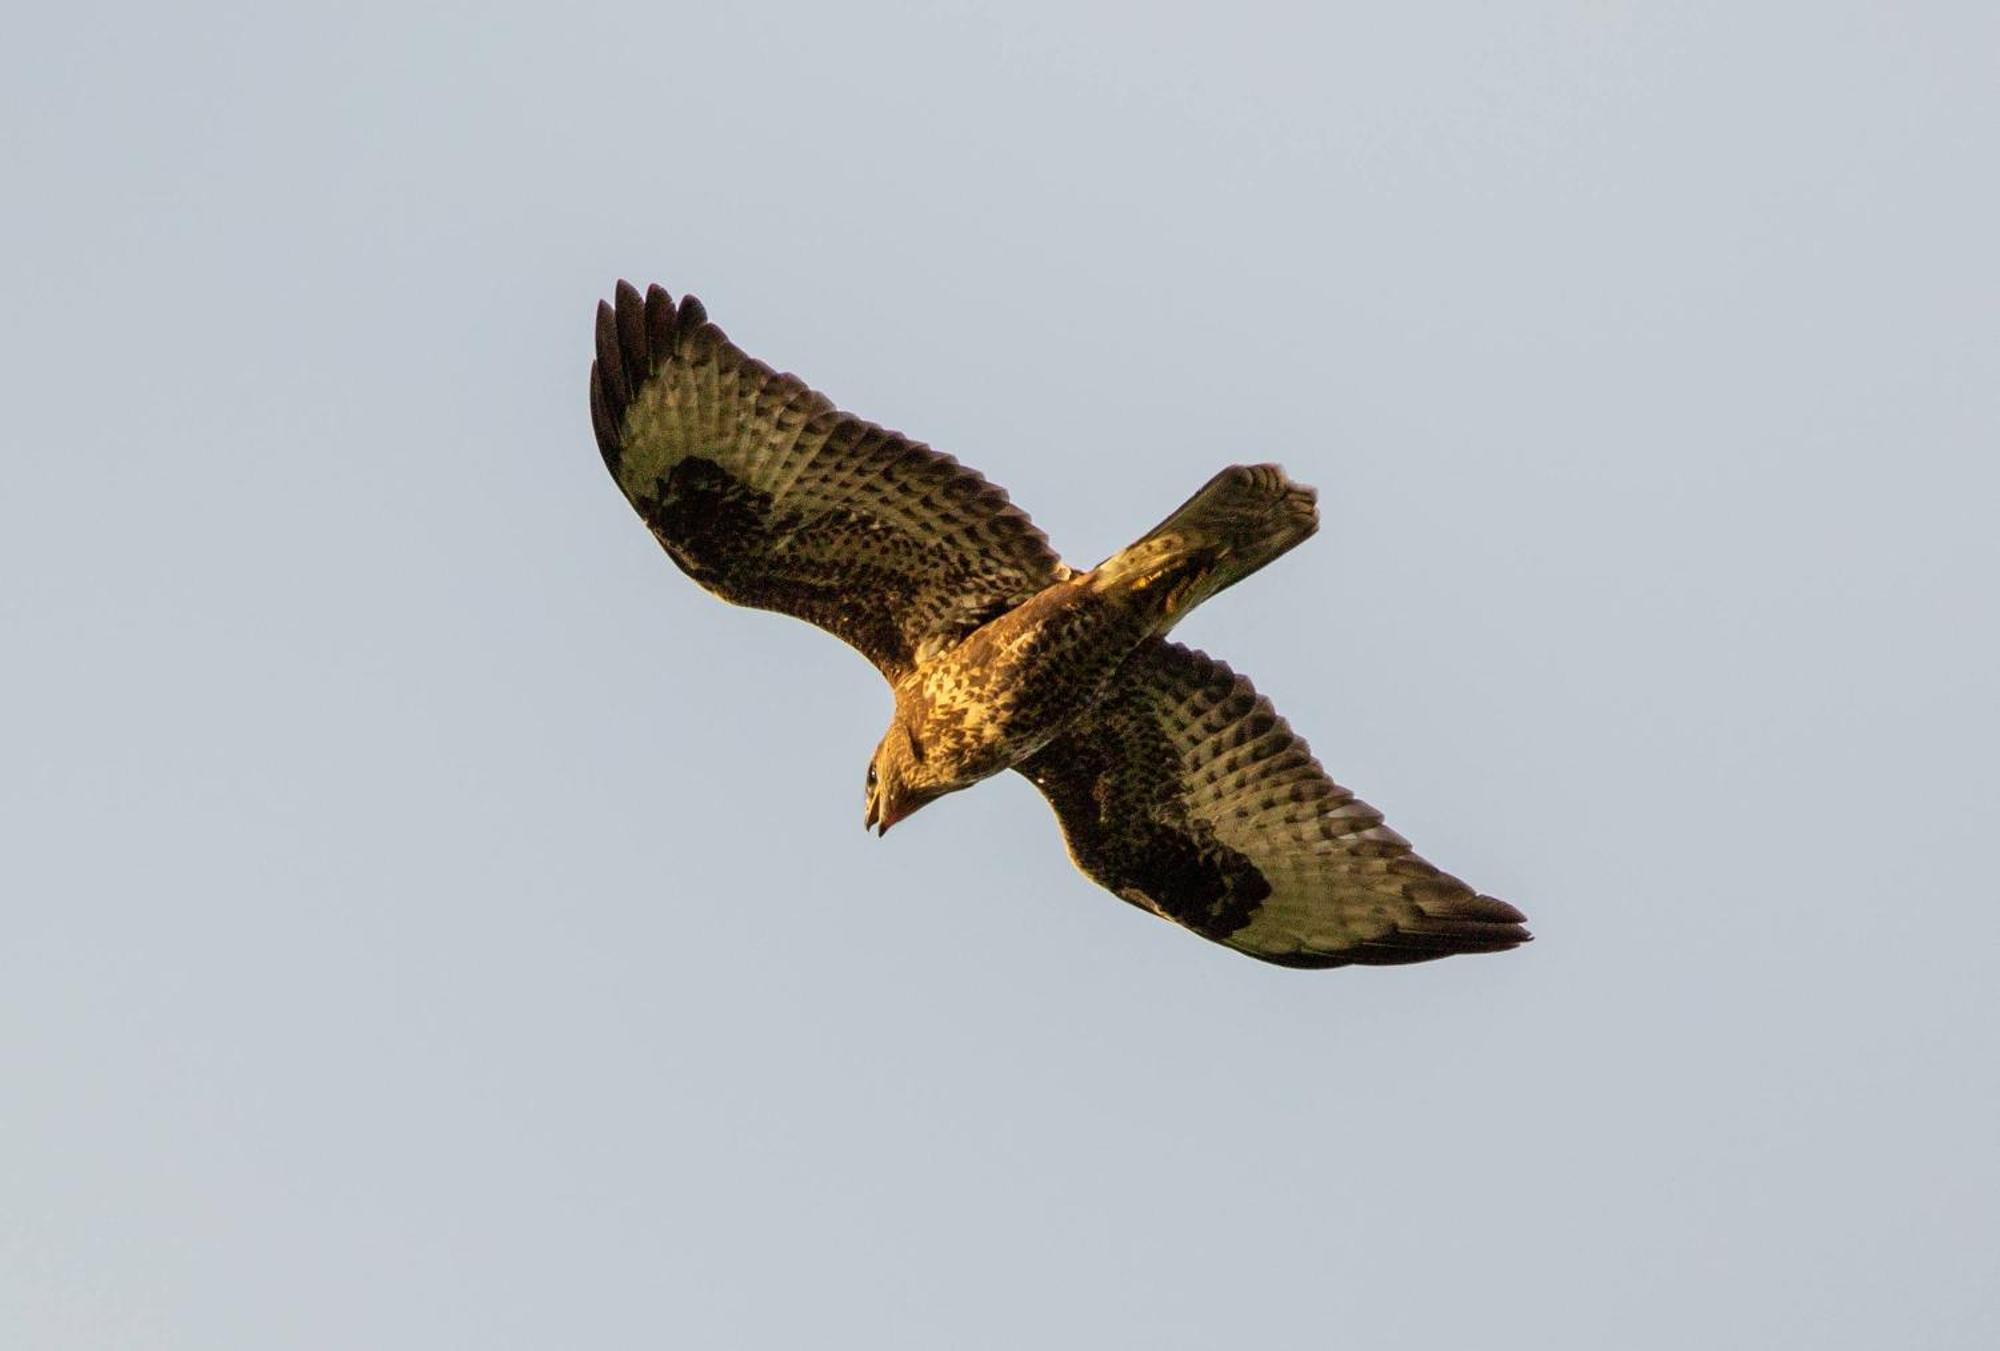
[(1177, 786), (1000, 694)]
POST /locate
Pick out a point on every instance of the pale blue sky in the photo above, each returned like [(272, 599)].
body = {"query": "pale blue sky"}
[(430, 921)]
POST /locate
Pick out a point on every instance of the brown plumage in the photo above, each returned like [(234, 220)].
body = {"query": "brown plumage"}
[(1177, 786)]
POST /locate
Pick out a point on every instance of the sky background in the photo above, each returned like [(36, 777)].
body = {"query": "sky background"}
[(430, 921)]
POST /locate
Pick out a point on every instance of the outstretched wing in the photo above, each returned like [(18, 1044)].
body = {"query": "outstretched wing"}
[(766, 494), (1186, 794)]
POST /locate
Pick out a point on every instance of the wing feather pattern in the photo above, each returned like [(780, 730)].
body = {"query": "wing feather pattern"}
[(1186, 794), (767, 495)]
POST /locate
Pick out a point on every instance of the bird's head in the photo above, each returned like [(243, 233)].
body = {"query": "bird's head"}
[(899, 780)]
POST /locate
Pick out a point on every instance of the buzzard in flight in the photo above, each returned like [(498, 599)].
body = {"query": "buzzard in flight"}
[(1177, 785)]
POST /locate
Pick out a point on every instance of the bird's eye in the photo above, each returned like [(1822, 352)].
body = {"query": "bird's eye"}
[(871, 778)]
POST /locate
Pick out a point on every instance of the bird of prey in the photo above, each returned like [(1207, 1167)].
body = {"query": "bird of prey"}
[(1177, 786)]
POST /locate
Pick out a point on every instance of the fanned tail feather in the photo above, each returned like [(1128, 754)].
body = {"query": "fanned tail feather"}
[(1242, 519)]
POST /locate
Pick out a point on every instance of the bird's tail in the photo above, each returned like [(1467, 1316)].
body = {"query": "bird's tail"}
[(1240, 520)]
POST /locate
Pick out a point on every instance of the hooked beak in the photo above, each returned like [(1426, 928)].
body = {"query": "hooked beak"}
[(880, 818)]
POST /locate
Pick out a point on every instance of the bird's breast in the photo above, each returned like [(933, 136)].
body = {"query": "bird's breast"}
[(1000, 695)]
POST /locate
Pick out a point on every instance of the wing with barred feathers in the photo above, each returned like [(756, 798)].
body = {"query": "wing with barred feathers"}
[(1186, 794), (766, 494)]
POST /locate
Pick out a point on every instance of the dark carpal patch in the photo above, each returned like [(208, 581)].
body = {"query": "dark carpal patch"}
[(1199, 882), (698, 510), (1111, 789), (732, 539)]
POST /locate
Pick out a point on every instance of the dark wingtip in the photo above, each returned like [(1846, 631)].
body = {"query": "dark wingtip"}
[(610, 361), (609, 443), (635, 334), (1458, 925), (633, 345), (609, 391), (660, 327)]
